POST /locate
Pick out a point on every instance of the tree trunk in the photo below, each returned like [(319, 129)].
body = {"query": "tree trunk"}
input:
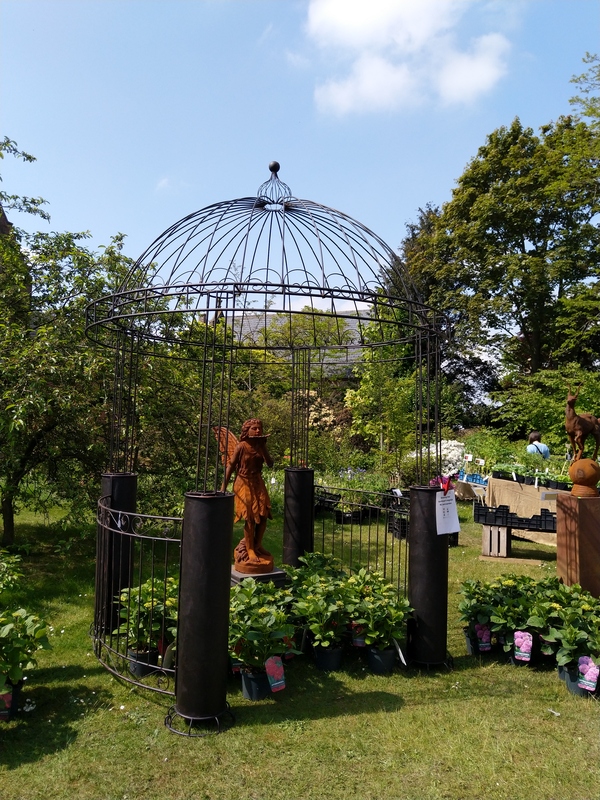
[(8, 520)]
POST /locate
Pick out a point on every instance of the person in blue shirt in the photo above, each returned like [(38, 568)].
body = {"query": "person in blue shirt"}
[(536, 446)]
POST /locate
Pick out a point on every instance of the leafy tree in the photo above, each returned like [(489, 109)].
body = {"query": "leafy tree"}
[(53, 384), (516, 243), (537, 402), (383, 405), (588, 102), (15, 202), (308, 327)]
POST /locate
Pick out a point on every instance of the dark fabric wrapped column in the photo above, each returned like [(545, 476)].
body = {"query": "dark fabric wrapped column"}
[(203, 623), (427, 580), (298, 514)]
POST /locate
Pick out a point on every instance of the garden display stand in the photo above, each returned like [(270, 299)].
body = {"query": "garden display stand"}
[(498, 524), (578, 541)]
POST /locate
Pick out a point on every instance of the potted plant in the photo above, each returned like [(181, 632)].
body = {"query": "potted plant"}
[(576, 634), (348, 512), (315, 564), (381, 615), (21, 635), (320, 605), (259, 635), (503, 471), (547, 600), (326, 566), (511, 608), (149, 622), (475, 610)]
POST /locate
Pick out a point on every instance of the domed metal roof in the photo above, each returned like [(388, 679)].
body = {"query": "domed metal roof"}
[(268, 255)]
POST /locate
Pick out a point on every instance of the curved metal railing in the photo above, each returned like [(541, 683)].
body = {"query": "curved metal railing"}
[(137, 584)]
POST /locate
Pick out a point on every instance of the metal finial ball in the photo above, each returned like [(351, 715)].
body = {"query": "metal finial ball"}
[(274, 166)]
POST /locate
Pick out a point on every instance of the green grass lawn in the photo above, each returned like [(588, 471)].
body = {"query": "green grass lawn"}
[(485, 729)]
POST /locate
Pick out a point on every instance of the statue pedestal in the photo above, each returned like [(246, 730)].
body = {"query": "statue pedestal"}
[(578, 541), (585, 475), (278, 576)]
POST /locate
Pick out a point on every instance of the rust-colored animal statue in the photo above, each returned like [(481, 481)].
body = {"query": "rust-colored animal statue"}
[(580, 426)]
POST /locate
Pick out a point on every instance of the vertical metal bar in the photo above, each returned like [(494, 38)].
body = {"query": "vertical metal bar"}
[(202, 401), (293, 412)]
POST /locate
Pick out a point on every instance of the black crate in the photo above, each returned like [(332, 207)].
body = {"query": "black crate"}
[(398, 525), (479, 512)]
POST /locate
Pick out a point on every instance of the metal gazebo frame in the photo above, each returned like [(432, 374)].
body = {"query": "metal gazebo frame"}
[(265, 282)]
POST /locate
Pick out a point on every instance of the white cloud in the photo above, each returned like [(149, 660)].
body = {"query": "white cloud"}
[(266, 34), (374, 84), (465, 76), (297, 60), (394, 52), (407, 24), (163, 183)]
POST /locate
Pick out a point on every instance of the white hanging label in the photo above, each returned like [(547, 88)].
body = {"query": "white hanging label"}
[(446, 513)]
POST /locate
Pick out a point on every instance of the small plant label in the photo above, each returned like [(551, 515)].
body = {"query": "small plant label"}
[(468, 456), (588, 674), (358, 636), (484, 637), (446, 514), (275, 673), (5, 704), (523, 645)]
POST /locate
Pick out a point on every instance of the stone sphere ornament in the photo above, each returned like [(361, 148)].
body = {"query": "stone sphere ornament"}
[(585, 474)]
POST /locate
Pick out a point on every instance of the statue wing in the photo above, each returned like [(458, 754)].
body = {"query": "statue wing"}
[(227, 443)]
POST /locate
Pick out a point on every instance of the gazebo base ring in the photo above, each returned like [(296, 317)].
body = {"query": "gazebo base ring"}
[(173, 714)]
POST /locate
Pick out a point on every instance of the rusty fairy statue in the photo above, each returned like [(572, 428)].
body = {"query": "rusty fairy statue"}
[(245, 458)]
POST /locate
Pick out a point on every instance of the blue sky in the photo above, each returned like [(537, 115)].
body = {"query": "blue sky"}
[(142, 112)]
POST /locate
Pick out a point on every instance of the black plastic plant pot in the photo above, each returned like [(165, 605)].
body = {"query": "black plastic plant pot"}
[(471, 642), (255, 685), (142, 662), (328, 658), (348, 517), (571, 677), (381, 661)]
